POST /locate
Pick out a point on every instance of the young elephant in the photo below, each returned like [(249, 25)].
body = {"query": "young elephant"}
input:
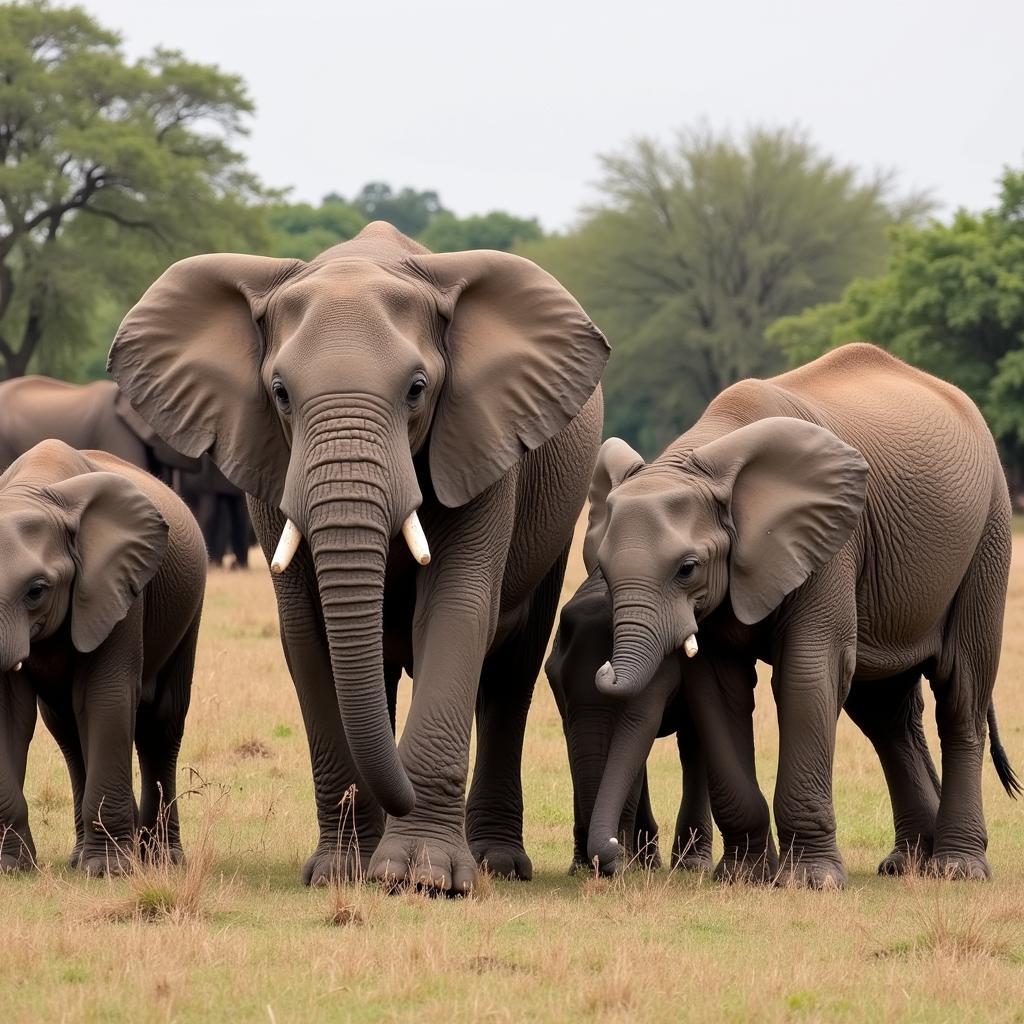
[(848, 523), (589, 719), (100, 598)]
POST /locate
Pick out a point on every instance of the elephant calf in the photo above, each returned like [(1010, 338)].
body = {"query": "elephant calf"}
[(848, 523), (616, 802), (100, 599)]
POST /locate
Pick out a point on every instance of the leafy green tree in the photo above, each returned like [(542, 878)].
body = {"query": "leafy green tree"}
[(109, 170), (696, 248), (410, 211), (495, 230), (302, 231), (951, 302)]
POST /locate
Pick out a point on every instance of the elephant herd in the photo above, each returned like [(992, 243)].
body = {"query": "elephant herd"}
[(416, 435)]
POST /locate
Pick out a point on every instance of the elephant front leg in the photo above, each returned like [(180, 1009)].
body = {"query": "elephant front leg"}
[(105, 694), (350, 822), (428, 847), (59, 717), (811, 681), (18, 708), (720, 698), (691, 847)]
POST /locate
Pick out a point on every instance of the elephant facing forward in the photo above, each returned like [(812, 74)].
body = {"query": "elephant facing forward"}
[(849, 524), (377, 390)]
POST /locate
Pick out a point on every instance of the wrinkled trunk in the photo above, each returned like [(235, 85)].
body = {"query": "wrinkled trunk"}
[(643, 638), (349, 524), (635, 732)]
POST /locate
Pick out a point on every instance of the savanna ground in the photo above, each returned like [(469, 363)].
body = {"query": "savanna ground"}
[(238, 938)]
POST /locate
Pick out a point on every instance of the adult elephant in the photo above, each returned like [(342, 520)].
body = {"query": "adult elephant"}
[(95, 416), (344, 396), (847, 522), (219, 508)]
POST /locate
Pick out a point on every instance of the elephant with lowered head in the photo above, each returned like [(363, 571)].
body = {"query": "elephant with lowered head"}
[(100, 598), (372, 400), (848, 523)]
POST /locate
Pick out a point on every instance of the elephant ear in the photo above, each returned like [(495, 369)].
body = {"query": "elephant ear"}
[(118, 538), (188, 357), (523, 358), (164, 453), (616, 462), (794, 492)]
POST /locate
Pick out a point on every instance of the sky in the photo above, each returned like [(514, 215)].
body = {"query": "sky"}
[(507, 105)]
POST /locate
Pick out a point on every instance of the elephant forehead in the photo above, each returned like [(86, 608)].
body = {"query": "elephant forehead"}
[(24, 529), (351, 294)]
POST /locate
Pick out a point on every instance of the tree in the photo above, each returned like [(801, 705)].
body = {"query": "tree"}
[(696, 248), (952, 303), (108, 171), (302, 231), (410, 211), (495, 230)]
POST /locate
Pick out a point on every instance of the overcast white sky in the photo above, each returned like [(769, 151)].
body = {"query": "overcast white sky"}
[(505, 105)]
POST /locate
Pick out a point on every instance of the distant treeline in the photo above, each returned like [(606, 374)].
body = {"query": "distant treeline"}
[(705, 260)]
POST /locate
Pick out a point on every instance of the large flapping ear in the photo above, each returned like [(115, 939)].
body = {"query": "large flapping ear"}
[(164, 453), (616, 461), (794, 492), (523, 358), (188, 357), (119, 538)]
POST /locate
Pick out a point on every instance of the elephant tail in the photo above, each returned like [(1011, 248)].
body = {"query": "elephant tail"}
[(1007, 776)]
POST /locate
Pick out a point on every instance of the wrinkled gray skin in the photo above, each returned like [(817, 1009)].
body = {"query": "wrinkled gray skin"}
[(590, 720), (94, 415), (344, 394), (101, 590), (849, 524)]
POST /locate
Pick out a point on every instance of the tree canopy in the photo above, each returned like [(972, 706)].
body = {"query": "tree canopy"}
[(950, 302), (694, 249), (109, 170)]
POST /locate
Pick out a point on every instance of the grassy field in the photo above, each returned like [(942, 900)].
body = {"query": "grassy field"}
[(249, 943)]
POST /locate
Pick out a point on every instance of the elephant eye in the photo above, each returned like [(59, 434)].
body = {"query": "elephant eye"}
[(35, 592), (688, 569), (280, 394), (416, 389)]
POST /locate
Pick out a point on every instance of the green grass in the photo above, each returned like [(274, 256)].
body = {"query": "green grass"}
[(241, 940)]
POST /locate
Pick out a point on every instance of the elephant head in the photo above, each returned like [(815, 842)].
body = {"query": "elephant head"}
[(74, 543), (748, 516), (314, 386)]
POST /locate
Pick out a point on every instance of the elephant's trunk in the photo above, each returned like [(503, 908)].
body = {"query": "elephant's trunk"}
[(634, 735), (349, 526), (642, 640), (14, 641)]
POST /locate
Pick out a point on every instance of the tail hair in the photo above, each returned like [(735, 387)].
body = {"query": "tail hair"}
[(1007, 776)]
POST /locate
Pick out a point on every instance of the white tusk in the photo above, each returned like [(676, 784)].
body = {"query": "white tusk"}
[(416, 539), (286, 547), (17, 668), (614, 841), (690, 645)]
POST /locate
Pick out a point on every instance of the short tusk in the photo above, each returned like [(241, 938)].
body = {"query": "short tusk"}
[(416, 539), (17, 668), (289, 543), (614, 841), (690, 645)]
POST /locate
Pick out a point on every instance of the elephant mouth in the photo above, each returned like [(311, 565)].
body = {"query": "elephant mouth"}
[(608, 681)]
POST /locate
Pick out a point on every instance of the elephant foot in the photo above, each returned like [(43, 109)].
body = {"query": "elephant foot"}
[(104, 863), (11, 863), (743, 864), (75, 857), (441, 863), (958, 866), (907, 858), (503, 860), (698, 863), (814, 874), (333, 865)]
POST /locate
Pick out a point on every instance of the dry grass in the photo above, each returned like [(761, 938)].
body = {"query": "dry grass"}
[(239, 939)]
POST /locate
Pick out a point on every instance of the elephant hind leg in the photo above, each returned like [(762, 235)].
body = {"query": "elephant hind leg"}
[(158, 730), (890, 714), (494, 810), (963, 684)]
